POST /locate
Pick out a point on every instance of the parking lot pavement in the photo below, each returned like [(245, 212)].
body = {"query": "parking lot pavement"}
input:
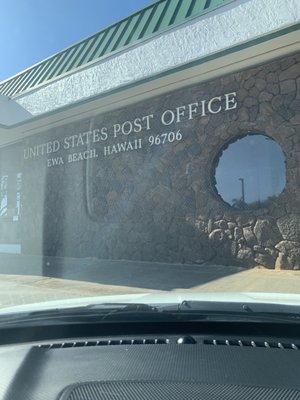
[(36, 280), (17, 290)]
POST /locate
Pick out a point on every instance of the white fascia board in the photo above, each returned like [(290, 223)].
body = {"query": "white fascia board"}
[(226, 27)]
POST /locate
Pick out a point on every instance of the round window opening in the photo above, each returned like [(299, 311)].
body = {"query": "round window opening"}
[(250, 172)]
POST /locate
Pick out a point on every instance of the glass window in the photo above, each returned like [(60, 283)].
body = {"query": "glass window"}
[(10, 195), (250, 171), (3, 195)]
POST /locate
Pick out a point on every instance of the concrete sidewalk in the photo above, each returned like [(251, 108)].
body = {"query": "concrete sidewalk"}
[(21, 289)]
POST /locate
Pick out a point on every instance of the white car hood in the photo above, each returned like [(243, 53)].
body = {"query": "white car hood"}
[(153, 298)]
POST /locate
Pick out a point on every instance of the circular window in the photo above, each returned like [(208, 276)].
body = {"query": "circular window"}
[(250, 172)]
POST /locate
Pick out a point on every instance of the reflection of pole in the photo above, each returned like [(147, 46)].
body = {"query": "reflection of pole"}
[(243, 189)]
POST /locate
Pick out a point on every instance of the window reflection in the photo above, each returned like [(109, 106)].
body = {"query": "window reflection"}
[(10, 196), (3, 195), (250, 172)]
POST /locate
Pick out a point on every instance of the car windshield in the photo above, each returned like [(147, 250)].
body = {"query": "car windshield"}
[(149, 150)]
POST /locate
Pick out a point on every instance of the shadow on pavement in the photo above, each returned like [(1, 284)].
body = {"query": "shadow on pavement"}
[(148, 275)]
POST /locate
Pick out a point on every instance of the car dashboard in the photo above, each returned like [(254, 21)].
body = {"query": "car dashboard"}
[(197, 361)]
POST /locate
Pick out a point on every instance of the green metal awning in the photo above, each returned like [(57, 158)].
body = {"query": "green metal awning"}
[(155, 18)]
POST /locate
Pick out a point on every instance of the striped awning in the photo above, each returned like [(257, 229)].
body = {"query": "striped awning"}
[(156, 18)]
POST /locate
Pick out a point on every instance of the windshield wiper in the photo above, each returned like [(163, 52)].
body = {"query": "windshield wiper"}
[(187, 310), (243, 311), (79, 314)]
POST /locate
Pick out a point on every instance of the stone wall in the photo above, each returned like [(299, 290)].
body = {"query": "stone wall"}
[(159, 203)]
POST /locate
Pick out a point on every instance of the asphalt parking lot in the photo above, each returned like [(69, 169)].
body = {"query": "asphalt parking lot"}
[(33, 279)]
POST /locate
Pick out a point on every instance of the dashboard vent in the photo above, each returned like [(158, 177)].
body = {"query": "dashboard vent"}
[(93, 343), (252, 343)]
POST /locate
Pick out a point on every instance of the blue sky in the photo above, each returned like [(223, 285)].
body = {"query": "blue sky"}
[(32, 30)]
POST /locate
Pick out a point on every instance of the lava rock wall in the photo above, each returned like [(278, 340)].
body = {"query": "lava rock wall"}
[(139, 184)]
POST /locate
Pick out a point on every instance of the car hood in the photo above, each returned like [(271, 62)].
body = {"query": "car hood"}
[(160, 298)]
